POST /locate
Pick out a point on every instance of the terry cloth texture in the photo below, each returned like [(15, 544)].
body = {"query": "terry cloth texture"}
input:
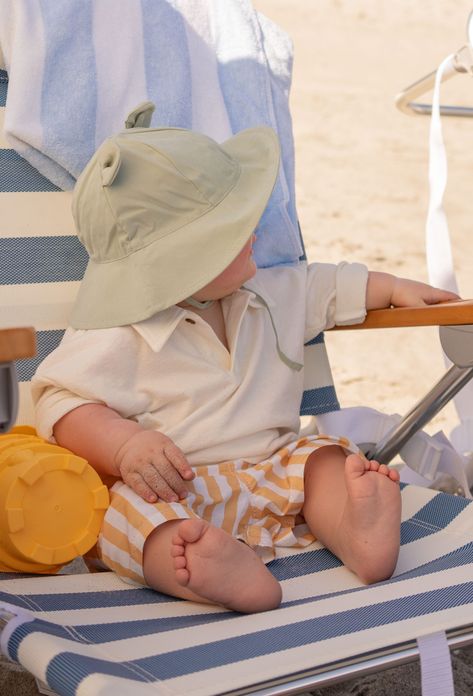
[(77, 69), (171, 373), (256, 503)]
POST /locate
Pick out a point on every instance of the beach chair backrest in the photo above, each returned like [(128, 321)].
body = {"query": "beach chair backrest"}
[(42, 263), (41, 259)]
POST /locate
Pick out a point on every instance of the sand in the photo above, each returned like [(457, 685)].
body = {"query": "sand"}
[(362, 196), (361, 168)]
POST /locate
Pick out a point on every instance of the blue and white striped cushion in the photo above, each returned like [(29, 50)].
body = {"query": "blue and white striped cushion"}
[(42, 263), (41, 260), (91, 635)]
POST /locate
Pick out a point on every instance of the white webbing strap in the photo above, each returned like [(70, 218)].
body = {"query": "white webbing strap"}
[(433, 462), (435, 665), (429, 458), (438, 248), (359, 424)]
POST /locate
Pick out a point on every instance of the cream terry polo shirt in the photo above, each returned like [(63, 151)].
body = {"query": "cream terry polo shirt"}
[(172, 374)]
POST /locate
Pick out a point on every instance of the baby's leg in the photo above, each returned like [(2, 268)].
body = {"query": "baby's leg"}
[(195, 560), (353, 507)]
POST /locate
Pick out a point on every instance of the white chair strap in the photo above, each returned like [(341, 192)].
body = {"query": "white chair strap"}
[(430, 460), (435, 665), (438, 248), (433, 462)]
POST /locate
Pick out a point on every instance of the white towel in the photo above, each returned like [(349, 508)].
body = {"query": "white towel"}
[(78, 67)]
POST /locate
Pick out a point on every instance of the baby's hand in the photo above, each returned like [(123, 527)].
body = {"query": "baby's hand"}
[(412, 293), (153, 466)]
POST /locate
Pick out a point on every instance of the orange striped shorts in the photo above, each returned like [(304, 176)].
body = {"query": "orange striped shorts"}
[(258, 503)]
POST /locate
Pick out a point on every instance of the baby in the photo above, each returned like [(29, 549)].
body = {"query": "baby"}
[(182, 376)]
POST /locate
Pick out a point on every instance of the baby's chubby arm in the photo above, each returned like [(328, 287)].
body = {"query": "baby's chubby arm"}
[(386, 290), (146, 460)]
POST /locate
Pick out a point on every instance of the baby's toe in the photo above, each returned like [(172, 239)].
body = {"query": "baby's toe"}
[(177, 550)]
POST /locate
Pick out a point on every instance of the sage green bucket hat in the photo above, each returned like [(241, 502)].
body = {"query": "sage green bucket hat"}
[(162, 212)]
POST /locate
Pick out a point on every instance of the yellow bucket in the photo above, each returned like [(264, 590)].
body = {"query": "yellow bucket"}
[(52, 504)]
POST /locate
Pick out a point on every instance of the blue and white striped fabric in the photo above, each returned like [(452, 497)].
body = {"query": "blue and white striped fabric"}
[(41, 259), (42, 263), (77, 69), (90, 635)]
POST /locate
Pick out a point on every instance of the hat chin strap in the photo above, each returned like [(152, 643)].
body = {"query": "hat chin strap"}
[(199, 305), (292, 364), (285, 359)]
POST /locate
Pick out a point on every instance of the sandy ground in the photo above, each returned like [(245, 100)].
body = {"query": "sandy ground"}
[(362, 168), (362, 195)]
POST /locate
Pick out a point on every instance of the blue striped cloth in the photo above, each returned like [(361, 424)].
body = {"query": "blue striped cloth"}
[(78, 69), (95, 635)]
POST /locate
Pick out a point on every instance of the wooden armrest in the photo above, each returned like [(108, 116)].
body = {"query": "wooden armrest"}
[(17, 343), (454, 313)]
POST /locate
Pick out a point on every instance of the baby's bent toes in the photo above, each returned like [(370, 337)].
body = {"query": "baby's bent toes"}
[(180, 562)]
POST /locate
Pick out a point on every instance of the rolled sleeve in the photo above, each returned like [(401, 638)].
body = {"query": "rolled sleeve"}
[(336, 295), (52, 403), (96, 366), (350, 296)]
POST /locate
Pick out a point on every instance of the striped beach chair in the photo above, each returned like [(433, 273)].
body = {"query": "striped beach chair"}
[(93, 634)]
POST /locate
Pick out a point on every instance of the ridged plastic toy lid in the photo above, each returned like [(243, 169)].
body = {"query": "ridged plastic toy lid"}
[(54, 509)]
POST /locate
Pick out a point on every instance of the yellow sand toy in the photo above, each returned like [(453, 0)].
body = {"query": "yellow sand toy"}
[(51, 504)]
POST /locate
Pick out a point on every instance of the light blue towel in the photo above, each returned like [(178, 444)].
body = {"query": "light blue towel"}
[(78, 67)]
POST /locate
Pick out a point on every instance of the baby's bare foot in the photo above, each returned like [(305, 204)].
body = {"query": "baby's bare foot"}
[(370, 526), (220, 569)]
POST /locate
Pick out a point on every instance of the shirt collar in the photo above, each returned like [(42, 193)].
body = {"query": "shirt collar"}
[(157, 330)]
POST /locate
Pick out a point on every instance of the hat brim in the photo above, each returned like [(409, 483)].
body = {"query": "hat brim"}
[(132, 289)]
